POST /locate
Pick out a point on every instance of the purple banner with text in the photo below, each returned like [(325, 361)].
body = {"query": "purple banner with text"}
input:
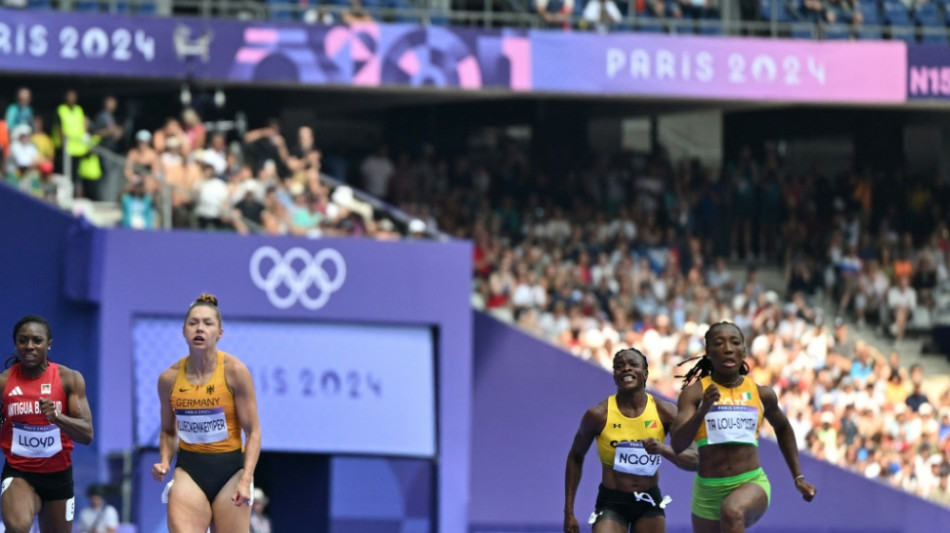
[(928, 71), (400, 55), (369, 55), (719, 68)]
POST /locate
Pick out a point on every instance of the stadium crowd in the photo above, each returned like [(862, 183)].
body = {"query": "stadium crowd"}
[(608, 253)]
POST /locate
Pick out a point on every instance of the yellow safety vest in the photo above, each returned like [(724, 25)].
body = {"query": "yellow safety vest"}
[(73, 124)]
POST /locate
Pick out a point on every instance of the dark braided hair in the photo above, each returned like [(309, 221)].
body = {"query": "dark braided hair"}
[(646, 364), (28, 319), (704, 367)]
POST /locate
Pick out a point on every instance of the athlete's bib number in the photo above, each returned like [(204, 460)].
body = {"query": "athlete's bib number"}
[(36, 441), (631, 458), (202, 426), (733, 424)]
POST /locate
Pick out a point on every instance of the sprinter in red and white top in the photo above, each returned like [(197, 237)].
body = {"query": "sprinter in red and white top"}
[(45, 410)]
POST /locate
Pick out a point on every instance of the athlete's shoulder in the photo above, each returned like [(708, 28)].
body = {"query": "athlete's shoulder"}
[(232, 363), (170, 373)]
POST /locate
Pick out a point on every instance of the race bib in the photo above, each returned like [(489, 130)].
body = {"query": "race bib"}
[(202, 426), (36, 441), (732, 424), (631, 458)]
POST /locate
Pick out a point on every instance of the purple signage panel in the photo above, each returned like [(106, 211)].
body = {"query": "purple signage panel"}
[(928, 71), (375, 55), (371, 55), (68, 43), (721, 68)]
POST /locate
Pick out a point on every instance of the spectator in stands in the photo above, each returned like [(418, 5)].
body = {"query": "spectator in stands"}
[(260, 522), (872, 289), (172, 130), (20, 112), (356, 14), (664, 10), (142, 163), (23, 153), (555, 13), (901, 303), (304, 155), (212, 198), (194, 129), (138, 206), (377, 171), (106, 127), (816, 12), (73, 134), (925, 280), (267, 144), (180, 177), (42, 140), (917, 397), (602, 15), (100, 516)]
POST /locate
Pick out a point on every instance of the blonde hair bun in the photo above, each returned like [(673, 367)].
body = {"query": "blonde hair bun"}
[(206, 298)]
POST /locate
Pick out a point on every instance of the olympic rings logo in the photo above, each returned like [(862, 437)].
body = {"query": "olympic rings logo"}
[(299, 271)]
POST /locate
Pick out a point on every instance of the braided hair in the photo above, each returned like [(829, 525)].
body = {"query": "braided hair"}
[(704, 367)]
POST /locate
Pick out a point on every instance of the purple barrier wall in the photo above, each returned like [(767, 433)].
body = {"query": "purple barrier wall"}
[(528, 401), (136, 274), (33, 270)]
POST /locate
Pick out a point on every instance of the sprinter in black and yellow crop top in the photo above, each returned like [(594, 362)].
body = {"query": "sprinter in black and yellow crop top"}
[(629, 428), (720, 412), (207, 400)]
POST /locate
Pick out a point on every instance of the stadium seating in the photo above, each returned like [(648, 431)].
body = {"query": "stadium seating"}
[(897, 17), (928, 17)]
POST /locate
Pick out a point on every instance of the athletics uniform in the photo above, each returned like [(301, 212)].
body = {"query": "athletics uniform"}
[(36, 450), (735, 419), (209, 435), (620, 446)]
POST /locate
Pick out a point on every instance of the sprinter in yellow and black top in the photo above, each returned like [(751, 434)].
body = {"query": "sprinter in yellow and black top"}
[(721, 410), (629, 428), (207, 399)]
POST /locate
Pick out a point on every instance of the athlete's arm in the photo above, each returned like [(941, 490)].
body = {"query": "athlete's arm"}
[(689, 417), (592, 424), (76, 420), (786, 440), (245, 404), (688, 459), (3, 386), (168, 436)]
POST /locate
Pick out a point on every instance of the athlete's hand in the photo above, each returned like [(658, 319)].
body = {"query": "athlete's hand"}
[(242, 494), (710, 397), (653, 446), (48, 408), (159, 471), (570, 524), (807, 489)]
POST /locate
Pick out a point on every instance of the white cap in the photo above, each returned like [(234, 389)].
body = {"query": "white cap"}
[(417, 226), (214, 160), (143, 136), (22, 129)]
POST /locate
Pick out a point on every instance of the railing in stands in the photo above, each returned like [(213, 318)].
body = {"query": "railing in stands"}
[(887, 19)]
